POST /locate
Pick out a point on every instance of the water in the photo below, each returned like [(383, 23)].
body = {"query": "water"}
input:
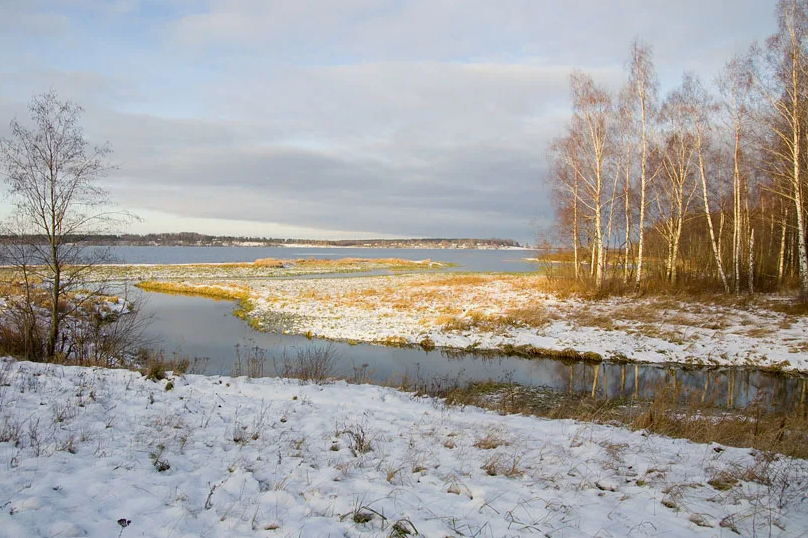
[(200, 327), (466, 260)]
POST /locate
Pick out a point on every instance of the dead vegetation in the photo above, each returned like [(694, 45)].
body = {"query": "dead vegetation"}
[(221, 292), (668, 413), (95, 329)]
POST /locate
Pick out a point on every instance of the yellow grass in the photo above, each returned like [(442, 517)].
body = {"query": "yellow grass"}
[(230, 292), (268, 262)]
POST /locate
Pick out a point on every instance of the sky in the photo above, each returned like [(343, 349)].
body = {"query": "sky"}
[(343, 118)]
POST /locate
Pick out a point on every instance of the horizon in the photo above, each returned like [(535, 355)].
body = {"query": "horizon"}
[(173, 236), (335, 120)]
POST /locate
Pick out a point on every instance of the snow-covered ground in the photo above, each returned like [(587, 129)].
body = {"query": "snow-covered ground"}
[(106, 453)]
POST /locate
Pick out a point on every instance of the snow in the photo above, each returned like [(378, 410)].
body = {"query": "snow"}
[(81, 449)]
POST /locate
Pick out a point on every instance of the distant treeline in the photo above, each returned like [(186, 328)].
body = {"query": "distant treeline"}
[(196, 239)]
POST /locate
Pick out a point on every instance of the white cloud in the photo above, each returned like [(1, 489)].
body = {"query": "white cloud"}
[(425, 117)]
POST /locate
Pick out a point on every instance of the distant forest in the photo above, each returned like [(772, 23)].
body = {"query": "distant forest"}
[(196, 239)]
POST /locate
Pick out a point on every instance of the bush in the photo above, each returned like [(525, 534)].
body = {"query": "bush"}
[(315, 364), (249, 362)]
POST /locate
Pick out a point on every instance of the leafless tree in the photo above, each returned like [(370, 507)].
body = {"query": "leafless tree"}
[(735, 84), (702, 110), (642, 77), (748, 173), (626, 120), (565, 180), (675, 187), (53, 178), (592, 114), (781, 82)]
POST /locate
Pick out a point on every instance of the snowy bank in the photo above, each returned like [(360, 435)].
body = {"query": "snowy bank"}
[(103, 453), (498, 312)]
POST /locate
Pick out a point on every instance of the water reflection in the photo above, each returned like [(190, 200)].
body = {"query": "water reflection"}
[(731, 387), (200, 327)]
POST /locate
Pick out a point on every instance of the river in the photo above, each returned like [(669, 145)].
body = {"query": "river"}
[(201, 327)]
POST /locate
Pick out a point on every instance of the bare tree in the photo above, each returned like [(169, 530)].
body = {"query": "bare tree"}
[(642, 78), (749, 172), (703, 108), (675, 188), (566, 180), (781, 81), (626, 119), (735, 84), (53, 175), (592, 113)]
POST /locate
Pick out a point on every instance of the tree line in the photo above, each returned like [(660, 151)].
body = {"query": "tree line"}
[(702, 186), (197, 239)]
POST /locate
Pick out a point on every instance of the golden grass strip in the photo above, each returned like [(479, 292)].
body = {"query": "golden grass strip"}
[(220, 292)]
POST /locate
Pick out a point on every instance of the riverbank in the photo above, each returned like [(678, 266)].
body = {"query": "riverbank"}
[(97, 452), (521, 314)]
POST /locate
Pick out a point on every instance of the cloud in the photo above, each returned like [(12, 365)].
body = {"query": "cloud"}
[(579, 31), (425, 117), (17, 19), (429, 159), (490, 190)]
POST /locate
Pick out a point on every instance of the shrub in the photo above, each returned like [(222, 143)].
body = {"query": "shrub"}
[(250, 362), (315, 364)]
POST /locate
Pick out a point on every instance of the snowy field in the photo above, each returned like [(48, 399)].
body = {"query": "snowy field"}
[(106, 453)]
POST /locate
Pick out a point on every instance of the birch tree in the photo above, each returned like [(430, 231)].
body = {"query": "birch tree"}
[(592, 109), (675, 186), (566, 181), (735, 84), (642, 78), (702, 108), (781, 82)]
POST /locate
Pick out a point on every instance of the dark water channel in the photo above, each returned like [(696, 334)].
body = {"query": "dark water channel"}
[(200, 327)]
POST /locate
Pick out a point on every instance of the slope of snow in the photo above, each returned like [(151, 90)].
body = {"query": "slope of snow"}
[(81, 449)]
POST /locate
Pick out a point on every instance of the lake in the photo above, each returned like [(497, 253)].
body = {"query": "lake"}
[(466, 260)]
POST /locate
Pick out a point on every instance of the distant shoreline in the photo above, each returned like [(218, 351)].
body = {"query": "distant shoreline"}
[(203, 240), (305, 245)]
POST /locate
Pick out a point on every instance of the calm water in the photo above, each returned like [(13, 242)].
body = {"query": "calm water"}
[(467, 260), (199, 327)]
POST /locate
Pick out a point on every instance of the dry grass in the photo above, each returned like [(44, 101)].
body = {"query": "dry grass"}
[(155, 365), (487, 303), (269, 262), (250, 360), (785, 433), (453, 301), (229, 292), (790, 308), (781, 432), (498, 465), (535, 316), (490, 441), (94, 329), (314, 364)]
